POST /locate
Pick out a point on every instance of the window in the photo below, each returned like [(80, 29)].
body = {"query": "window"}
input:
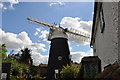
[(59, 57), (102, 22)]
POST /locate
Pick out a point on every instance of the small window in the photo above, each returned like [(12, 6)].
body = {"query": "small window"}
[(59, 57), (102, 22)]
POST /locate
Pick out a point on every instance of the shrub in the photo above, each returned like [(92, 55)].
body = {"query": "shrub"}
[(70, 71)]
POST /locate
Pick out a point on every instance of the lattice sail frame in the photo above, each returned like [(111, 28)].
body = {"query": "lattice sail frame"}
[(61, 32)]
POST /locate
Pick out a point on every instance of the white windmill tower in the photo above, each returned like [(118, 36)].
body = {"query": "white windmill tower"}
[(59, 54)]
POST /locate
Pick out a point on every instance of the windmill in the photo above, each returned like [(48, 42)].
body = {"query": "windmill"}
[(59, 54)]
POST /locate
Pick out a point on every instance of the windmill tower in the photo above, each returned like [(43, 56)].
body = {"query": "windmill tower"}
[(59, 54)]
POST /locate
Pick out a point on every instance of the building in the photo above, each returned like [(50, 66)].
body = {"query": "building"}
[(43, 70), (112, 72), (58, 57), (59, 54), (91, 66), (5, 71), (105, 38)]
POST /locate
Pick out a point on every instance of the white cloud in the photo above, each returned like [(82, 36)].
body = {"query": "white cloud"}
[(70, 48), (56, 3), (76, 23), (77, 56), (36, 33), (44, 35), (38, 46), (79, 26), (5, 8), (92, 13), (1, 5), (12, 2), (21, 40), (39, 58), (38, 29)]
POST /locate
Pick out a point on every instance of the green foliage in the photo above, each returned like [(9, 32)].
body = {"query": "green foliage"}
[(70, 71), (34, 70), (3, 50), (36, 76), (19, 67), (21, 64), (16, 67), (25, 56), (80, 73)]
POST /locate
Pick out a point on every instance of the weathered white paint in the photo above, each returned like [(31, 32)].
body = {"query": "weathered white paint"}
[(57, 33), (106, 43), (119, 33)]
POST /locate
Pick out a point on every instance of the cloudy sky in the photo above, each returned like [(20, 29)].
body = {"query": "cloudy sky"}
[(18, 33)]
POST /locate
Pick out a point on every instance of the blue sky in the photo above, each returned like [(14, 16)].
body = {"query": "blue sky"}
[(14, 20)]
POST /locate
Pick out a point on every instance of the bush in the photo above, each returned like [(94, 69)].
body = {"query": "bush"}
[(16, 67), (70, 71)]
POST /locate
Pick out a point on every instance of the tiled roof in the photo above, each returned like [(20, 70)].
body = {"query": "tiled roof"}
[(111, 73)]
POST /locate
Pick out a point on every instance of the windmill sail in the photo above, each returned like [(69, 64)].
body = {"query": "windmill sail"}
[(61, 32), (78, 35), (44, 24)]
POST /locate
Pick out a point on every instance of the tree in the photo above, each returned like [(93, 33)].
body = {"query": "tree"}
[(34, 70), (16, 67), (19, 63), (3, 50), (26, 56), (70, 71)]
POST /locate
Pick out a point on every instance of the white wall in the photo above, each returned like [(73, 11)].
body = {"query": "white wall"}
[(119, 34), (106, 43)]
